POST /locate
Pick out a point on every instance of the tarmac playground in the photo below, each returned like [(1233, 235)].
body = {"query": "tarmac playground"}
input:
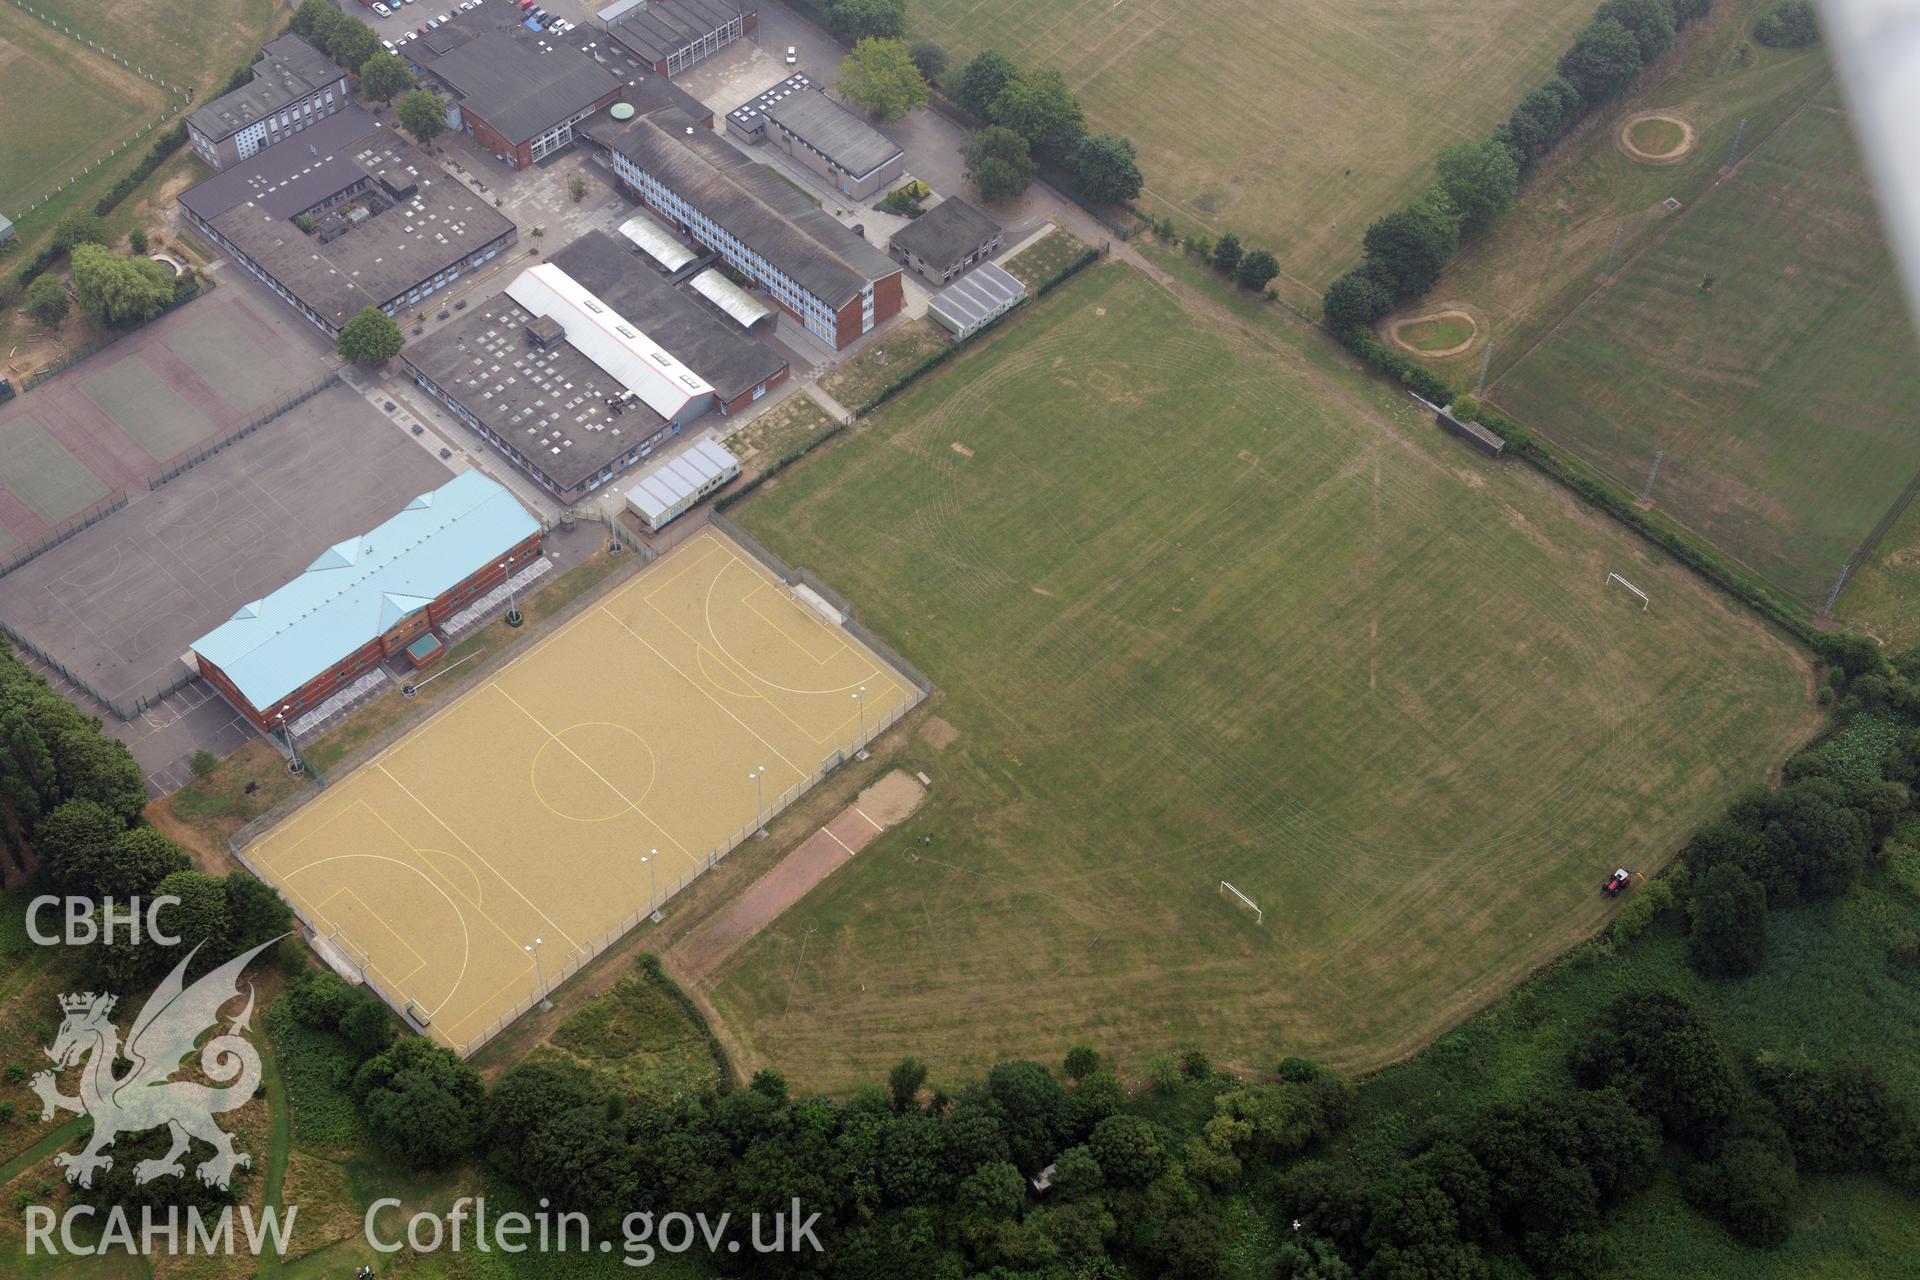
[(578, 788)]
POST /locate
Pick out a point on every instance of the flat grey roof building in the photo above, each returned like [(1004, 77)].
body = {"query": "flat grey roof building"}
[(390, 226), (551, 405), (520, 84), (289, 70), (945, 233)]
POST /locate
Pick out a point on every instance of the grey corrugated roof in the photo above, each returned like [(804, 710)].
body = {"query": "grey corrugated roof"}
[(834, 132), (289, 69), (772, 219), (946, 233), (520, 86), (660, 28), (977, 295)]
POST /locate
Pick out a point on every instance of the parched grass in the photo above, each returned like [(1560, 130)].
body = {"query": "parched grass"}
[(787, 427), (1883, 596), (856, 380), (1202, 611), (201, 815), (1045, 257), (1656, 136), (1293, 128), (1763, 344)]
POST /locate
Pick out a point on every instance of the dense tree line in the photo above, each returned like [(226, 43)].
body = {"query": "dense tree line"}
[(1029, 117), (1475, 182)]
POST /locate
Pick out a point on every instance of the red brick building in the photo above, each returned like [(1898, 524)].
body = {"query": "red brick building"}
[(365, 600)]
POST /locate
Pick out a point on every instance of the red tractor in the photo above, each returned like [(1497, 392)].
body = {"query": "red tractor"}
[(1617, 882)]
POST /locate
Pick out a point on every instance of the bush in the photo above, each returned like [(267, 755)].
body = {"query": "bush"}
[(202, 763), (1641, 910), (1788, 25), (47, 302), (1729, 938)]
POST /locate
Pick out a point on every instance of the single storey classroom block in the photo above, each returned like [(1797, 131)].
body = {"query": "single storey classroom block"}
[(675, 486), (976, 300)]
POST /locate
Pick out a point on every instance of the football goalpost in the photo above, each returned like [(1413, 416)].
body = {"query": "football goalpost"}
[(1259, 917), (1645, 603)]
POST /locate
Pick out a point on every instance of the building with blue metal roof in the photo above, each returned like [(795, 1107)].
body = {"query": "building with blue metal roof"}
[(366, 599)]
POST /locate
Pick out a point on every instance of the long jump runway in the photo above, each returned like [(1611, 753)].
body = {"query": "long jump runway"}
[(588, 780)]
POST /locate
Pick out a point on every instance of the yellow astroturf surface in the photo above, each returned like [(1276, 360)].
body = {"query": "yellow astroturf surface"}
[(523, 810)]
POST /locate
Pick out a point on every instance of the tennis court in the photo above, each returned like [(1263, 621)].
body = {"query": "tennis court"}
[(585, 782)]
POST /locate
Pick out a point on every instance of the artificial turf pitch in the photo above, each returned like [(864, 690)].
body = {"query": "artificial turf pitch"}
[(524, 810)]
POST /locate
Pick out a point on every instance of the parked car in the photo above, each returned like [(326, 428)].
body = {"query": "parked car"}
[(387, 45), (382, 10), (793, 55)]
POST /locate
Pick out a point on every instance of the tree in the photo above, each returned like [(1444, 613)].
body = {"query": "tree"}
[(75, 843), (1128, 1150), (200, 918), (1104, 169), (998, 162), (1751, 1184), (119, 291), (1788, 25), (521, 1099), (319, 1000), (1604, 59), (931, 58), (1226, 253), (1651, 22), (1077, 1173), (903, 1083), (1082, 1061), (93, 766), (369, 337), (1411, 246), (313, 18), (1038, 105), (1256, 269), (981, 81), (577, 188), (1656, 1049), (1542, 116), (351, 43), (992, 1193), (423, 113), (384, 77), (255, 911), (137, 240), (136, 864), (862, 19), (77, 229), (1354, 299), (1729, 938), (880, 76), (202, 763), (1034, 1107), (1479, 179), (47, 302), (422, 1104)]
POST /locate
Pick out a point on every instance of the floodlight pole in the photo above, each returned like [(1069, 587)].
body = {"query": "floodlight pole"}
[(759, 800), (534, 950), (861, 699), (513, 613), (294, 764), (653, 892)]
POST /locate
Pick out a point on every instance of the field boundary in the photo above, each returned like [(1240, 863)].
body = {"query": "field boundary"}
[(181, 99)]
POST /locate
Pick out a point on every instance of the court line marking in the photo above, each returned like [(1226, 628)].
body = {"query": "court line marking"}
[(700, 660), (553, 737), (427, 809), (863, 813), (712, 549), (420, 961), (653, 771), (704, 693), (842, 843), (840, 646), (466, 934)]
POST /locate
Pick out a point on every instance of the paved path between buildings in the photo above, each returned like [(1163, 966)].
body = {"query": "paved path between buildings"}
[(695, 958), (838, 411)]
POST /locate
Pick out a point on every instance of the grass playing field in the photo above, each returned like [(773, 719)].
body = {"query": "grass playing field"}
[(1764, 345), (523, 811), (1294, 130), (1200, 611), (64, 106)]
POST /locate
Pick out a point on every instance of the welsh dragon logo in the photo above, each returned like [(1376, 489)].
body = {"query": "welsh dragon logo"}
[(146, 1096)]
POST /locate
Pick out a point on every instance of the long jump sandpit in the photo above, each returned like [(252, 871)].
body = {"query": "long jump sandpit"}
[(519, 832)]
